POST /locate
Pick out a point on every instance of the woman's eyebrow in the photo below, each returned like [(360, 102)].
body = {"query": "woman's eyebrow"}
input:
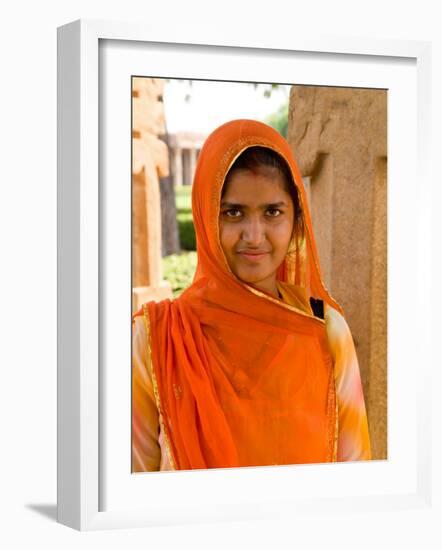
[(266, 205), (275, 204), (231, 205)]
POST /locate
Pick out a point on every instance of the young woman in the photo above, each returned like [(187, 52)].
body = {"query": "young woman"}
[(254, 363)]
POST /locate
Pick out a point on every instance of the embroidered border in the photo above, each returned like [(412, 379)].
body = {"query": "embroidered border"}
[(155, 387)]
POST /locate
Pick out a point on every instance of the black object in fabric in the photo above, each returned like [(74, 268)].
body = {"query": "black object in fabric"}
[(317, 307)]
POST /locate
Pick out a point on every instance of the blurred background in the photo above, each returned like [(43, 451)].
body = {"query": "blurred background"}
[(174, 117), (339, 139)]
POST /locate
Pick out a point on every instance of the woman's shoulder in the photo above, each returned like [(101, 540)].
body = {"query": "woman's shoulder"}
[(338, 331), (140, 326), (334, 320), (148, 309)]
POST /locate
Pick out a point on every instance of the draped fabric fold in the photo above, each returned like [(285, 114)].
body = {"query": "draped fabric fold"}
[(244, 378)]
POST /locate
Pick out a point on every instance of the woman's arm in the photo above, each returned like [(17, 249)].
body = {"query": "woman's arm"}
[(146, 451), (353, 437)]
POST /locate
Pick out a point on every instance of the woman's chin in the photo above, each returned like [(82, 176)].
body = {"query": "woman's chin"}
[(255, 279)]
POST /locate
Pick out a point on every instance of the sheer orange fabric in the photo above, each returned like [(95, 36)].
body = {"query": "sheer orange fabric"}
[(242, 378)]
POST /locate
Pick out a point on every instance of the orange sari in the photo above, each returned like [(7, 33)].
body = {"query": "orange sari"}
[(242, 378)]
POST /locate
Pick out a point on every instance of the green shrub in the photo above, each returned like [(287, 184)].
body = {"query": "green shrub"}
[(184, 216), (179, 270)]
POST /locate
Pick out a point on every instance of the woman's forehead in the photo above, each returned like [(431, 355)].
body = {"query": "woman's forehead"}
[(252, 186)]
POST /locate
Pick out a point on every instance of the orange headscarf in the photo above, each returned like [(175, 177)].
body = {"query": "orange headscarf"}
[(242, 378)]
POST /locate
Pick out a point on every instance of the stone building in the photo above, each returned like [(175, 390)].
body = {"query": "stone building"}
[(184, 148), (339, 138), (150, 163)]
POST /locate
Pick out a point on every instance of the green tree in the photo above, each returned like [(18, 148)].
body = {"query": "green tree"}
[(279, 119)]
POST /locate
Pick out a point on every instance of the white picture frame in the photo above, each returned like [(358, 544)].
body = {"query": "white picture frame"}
[(95, 487)]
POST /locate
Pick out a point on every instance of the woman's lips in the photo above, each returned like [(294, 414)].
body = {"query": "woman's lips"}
[(253, 256)]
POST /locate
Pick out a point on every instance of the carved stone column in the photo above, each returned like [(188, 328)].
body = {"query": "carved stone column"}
[(339, 138), (150, 162)]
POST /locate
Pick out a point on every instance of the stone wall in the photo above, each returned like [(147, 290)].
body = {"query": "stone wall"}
[(150, 163), (339, 138)]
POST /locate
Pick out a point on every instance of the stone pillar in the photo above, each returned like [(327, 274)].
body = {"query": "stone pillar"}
[(177, 160), (192, 158), (150, 162), (377, 388), (187, 180), (339, 138)]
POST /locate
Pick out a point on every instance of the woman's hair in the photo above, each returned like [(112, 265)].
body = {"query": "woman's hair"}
[(266, 161)]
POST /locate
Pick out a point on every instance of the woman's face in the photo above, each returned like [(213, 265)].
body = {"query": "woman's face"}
[(255, 226)]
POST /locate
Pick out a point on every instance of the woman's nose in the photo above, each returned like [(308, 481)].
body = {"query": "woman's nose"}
[(253, 232)]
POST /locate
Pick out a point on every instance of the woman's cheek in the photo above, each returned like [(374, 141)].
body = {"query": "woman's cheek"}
[(282, 232), (228, 237), (230, 233)]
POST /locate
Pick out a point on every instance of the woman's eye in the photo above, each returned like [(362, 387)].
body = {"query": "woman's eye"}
[(274, 212), (233, 213)]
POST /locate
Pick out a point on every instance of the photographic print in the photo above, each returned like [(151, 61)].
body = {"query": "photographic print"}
[(259, 271)]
